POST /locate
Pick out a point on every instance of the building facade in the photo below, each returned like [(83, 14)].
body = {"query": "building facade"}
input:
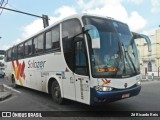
[(150, 61)]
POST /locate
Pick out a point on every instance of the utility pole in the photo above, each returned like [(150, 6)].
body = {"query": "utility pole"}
[(44, 17)]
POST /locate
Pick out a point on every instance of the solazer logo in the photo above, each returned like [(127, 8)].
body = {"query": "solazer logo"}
[(36, 64)]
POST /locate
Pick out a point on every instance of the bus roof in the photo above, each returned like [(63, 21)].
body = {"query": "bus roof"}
[(79, 16)]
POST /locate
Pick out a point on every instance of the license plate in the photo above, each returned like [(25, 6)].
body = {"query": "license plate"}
[(125, 95)]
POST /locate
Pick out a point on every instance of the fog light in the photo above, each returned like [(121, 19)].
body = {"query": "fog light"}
[(138, 83)]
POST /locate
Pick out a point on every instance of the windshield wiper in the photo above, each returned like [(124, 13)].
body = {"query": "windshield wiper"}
[(122, 55), (133, 65)]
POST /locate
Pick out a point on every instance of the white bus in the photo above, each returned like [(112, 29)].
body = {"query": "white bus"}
[(86, 58)]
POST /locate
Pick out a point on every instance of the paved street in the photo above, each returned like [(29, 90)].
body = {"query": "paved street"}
[(31, 100)]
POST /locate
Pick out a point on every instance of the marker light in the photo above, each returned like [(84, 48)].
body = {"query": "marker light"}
[(112, 69), (102, 69), (103, 88), (107, 69)]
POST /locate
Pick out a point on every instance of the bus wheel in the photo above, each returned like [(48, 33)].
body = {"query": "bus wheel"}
[(56, 93), (14, 82)]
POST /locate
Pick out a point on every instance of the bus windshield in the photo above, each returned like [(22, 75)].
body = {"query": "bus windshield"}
[(115, 54)]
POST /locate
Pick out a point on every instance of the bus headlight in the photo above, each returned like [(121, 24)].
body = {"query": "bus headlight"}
[(138, 83), (103, 88)]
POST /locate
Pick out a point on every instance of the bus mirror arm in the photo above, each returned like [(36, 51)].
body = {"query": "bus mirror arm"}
[(84, 30), (148, 41)]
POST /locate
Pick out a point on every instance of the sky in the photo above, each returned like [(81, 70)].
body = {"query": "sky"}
[(142, 16)]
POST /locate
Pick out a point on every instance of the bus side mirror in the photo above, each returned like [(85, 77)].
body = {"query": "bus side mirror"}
[(94, 35), (148, 41)]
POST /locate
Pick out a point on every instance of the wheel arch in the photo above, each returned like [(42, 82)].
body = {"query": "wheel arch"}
[(49, 84), (12, 76)]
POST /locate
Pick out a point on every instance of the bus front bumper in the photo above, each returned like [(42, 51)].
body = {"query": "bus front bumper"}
[(98, 97)]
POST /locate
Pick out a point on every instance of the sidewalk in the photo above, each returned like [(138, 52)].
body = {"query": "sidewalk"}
[(149, 78)]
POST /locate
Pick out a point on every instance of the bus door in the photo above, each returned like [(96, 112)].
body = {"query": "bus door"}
[(68, 84), (81, 73), (43, 83)]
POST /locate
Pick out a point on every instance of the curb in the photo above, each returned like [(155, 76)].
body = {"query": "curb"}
[(149, 80), (4, 95), (6, 87)]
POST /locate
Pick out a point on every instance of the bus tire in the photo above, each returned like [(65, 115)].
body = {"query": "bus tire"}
[(14, 82), (56, 93)]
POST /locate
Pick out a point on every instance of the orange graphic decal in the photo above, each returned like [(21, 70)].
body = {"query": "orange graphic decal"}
[(19, 71), (105, 81)]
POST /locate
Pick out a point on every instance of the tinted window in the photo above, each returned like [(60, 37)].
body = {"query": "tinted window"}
[(14, 53), (9, 55), (38, 44), (80, 57), (20, 50), (28, 47), (35, 45), (70, 28), (49, 40), (53, 39)]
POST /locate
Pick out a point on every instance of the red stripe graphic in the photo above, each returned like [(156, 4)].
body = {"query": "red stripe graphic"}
[(19, 71), (22, 69)]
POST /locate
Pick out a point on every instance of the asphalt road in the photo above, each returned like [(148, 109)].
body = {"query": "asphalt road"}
[(31, 100)]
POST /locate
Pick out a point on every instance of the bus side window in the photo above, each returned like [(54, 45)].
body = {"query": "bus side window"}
[(53, 39), (38, 44), (9, 53), (28, 48), (80, 57), (33, 48), (14, 53), (56, 37), (48, 45), (20, 50), (70, 28)]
